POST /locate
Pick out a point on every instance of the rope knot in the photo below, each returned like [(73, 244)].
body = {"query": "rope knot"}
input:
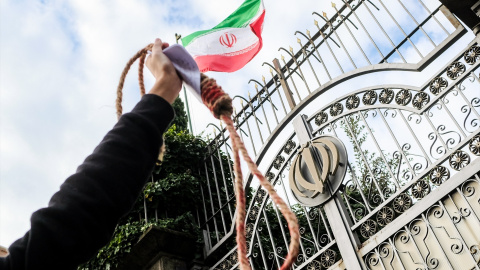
[(213, 96)]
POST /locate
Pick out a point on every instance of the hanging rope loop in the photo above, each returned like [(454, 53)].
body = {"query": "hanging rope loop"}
[(220, 104), (142, 54)]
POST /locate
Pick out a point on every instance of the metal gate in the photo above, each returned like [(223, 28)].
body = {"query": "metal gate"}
[(402, 94)]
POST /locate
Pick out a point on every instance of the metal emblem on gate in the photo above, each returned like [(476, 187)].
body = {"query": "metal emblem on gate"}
[(318, 170)]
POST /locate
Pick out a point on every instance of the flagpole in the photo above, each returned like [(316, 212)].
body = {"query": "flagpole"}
[(178, 37)]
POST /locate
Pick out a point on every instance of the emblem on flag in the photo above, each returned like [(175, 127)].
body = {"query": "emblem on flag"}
[(228, 40), (231, 44)]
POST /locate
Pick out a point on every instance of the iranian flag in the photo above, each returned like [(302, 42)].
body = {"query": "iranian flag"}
[(231, 44)]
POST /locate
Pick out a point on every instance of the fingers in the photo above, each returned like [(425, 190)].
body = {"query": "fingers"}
[(157, 49), (157, 45)]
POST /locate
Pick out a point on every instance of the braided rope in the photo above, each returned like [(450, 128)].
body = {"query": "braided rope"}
[(220, 104), (140, 54), (141, 64)]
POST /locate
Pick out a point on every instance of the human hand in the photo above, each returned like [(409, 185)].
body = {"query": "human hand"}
[(167, 83)]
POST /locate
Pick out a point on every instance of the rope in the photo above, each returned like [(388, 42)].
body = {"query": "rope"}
[(220, 104), (140, 54)]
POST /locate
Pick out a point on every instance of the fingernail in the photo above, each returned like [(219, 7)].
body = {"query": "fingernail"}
[(157, 39)]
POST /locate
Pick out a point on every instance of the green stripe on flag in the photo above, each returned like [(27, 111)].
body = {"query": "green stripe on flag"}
[(239, 18)]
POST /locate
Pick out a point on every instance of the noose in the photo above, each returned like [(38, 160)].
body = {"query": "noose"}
[(220, 104)]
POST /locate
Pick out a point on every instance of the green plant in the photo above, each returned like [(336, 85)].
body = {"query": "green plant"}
[(171, 197)]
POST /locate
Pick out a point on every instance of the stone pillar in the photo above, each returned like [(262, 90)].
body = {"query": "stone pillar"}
[(162, 249), (169, 263)]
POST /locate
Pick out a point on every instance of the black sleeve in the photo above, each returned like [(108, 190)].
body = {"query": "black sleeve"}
[(82, 215)]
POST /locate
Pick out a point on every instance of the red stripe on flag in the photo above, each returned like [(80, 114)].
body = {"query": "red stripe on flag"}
[(257, 26), (226, 62)]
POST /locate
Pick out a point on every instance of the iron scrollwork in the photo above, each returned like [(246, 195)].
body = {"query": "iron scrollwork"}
[(260, 195), (336, 109), (439, 174), (386, 96), (352, 102), (277, 163), (455, 70), (472, 55), (401, 203), (253, 213), (459, 160), (289, 146), (437, 85), (420, 100), (314, 265), (403, 97), (249, 228), (228, 262), (321, 118), (368, 228), (370, 97), (420, 189), (385, 216), (474, 145), (328, 258)]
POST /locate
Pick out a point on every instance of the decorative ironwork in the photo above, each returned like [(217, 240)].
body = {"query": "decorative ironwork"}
[(253, 213), (420, 99), (475, 249), (420, 189), (260, 195), (352, 102), (249, 229), (455, 70), (437, 85), (387, 191), (277, 163), (474, 145), (370, 97), (336, 109), (328, 258), (385, 216), (439, 174), (321, 118), (314, 265), (368, 228), (228, 262), (224, 265), (233, 258), (270, 176), (401, 203), (289, 146), (459, 160), (472, 55), (386, 96), (403, 97), (444, 225)]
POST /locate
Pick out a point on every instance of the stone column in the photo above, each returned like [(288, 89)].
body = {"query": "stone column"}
[(162, 249)]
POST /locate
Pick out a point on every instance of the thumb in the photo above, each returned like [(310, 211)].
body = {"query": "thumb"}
[(157, 46)]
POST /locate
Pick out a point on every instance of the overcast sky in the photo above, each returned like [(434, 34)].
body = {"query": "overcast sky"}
[(60, 62)]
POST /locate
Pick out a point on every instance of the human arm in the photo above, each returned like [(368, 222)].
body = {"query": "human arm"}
[(82, 215)]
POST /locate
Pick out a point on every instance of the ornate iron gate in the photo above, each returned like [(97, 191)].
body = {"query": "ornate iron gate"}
[(409, 198)]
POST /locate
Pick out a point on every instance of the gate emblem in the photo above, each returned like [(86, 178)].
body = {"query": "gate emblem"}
[(228, 40), (318, 170)]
